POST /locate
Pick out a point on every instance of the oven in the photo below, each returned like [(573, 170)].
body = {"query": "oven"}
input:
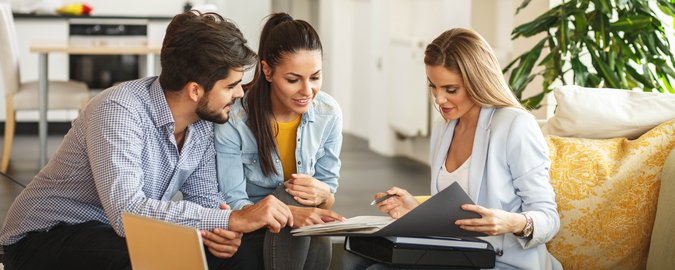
[(102, 71)]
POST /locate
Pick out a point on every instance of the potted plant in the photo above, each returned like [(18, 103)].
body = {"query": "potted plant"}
[(623, 40)]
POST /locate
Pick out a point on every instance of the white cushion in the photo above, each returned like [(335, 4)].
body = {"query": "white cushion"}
[(602, 113), (60, 95)]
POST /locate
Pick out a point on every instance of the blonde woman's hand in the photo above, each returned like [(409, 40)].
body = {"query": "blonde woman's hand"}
[(306, 190), (492, 221), (398, 205)]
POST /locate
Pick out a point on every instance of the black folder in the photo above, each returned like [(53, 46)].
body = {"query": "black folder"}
[(434, 217), (384, 250)]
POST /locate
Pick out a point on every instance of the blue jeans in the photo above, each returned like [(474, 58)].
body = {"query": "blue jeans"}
[(284, 251)]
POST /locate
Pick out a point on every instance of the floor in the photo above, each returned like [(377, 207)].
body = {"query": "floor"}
[(363, 174)]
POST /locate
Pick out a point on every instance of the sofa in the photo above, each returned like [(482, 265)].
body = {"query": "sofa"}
[(613, 171)]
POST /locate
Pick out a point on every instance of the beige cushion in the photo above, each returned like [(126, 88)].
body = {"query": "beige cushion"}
[(61, 95), (599, 113), (607, 193), (662, 249)]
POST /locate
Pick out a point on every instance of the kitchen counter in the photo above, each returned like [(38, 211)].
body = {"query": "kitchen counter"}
[(19, 16)]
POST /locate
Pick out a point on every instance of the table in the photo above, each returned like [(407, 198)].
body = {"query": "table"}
[(45, 48)]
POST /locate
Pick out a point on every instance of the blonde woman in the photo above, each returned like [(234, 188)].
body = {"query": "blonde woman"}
[(492, 147)]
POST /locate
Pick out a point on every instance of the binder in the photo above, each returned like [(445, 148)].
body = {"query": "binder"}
[(473, 253)]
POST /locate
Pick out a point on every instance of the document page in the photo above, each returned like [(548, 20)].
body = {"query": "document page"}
[(438, 241), (360, 224)]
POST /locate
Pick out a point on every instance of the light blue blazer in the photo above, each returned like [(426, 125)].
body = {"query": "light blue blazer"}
[(508, 171)]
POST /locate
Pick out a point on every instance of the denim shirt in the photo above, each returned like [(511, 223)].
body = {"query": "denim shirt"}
[(317, 152)]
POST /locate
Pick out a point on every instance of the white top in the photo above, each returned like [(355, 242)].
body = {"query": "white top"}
[(459, 175)]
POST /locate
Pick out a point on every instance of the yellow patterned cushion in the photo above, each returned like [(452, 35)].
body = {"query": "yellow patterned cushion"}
[(607, 191)]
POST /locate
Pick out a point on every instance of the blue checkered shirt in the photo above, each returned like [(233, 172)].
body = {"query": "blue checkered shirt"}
[(120, 156)]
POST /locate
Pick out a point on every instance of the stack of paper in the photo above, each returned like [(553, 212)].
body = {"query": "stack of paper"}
[(360, 224), (438, 241)]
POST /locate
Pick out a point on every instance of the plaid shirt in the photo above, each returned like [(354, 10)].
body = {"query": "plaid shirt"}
[(120, 156)]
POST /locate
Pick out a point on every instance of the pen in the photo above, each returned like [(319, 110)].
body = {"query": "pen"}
[(374, 202)]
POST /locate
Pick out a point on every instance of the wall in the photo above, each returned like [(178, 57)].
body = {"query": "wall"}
[(355, 34)]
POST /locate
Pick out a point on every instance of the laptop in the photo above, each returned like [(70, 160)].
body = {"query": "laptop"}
[(159, 245)]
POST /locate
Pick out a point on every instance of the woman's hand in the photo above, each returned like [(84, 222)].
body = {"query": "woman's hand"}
[(492, 221), (308, 191), (398, 205), (305, 216)]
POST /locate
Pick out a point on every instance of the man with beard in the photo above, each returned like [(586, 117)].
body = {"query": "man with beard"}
[(135, 146)]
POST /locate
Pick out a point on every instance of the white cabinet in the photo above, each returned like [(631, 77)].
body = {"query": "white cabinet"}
[(41, 30)]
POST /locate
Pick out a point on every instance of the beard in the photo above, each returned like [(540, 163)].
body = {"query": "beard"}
[(216, 116)]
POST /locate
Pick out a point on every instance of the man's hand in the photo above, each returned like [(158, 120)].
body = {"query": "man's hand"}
[(221, 243), (398, 205), (269, 212), (306, 190), (305, 216)]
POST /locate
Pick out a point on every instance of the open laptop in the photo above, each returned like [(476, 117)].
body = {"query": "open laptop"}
[(159, 245)]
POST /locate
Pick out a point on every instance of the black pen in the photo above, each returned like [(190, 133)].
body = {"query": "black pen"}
[(374, 202)]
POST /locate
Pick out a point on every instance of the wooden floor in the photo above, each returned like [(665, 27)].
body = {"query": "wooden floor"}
[(363, 174)]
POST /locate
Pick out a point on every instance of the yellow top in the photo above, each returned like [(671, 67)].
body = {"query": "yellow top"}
[(286, 146)]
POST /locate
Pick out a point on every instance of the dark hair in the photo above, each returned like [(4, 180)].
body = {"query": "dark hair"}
[(201, 48), (281, 35)]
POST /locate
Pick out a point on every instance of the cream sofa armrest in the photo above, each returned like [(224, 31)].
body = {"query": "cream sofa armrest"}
[(661, 251)]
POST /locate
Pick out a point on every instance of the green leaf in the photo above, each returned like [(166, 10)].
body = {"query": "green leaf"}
[(580, 23), (538, 25), (605, 6), (607, 74), (639, 77), (631, 23), (580, 72), (533, 102), (666, 7), (562, 32), (523, 5), (601, 29), (624, 48), (519, 76), (667, 85)]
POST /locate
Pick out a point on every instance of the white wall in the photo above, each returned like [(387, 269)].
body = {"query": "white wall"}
[(355, 34)]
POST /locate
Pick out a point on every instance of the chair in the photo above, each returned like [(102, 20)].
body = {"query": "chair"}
[(63, 95)]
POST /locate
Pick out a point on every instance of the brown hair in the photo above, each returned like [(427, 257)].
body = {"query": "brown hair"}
[(201, 48), (281, 35), (465, 52)]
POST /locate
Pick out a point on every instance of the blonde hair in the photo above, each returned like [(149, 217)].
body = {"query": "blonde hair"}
[(465, 52)]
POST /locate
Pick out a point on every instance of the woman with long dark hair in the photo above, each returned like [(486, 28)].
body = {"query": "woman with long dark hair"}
[(284, 138)]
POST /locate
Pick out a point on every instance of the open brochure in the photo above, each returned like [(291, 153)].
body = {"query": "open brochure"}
[(360, 224), (434, 217)]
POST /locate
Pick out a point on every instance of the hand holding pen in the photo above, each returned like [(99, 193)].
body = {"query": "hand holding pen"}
[(396, 202), (381, 199)]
